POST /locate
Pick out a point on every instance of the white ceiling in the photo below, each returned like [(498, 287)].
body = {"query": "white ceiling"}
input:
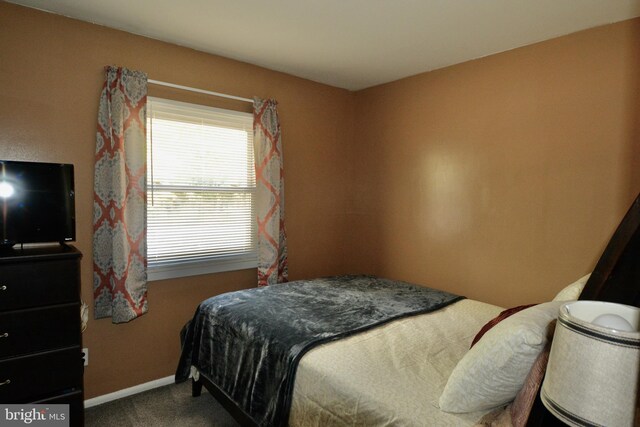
[(351, 44)]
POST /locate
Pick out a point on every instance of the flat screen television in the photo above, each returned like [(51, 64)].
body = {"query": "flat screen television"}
[(37, 202)]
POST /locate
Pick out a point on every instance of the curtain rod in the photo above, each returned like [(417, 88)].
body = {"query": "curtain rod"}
[(206, 92)]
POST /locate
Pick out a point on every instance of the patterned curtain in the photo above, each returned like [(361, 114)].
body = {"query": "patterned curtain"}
[(272, 236), (119, 205)]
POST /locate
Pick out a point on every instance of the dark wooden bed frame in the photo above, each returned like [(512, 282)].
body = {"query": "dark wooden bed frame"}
[(616, 278), (234, 410)]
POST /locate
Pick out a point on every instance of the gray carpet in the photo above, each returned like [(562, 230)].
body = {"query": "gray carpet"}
[(170, 405)]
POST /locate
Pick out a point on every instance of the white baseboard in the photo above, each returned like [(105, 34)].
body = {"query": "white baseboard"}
[(129, 391)]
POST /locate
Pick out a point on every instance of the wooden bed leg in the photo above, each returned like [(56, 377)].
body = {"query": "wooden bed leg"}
[(196, 388)]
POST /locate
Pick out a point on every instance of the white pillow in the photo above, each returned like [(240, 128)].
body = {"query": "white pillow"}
[(573, 291), (493, 371)]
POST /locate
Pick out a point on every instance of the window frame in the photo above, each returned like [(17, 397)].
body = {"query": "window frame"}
[(214, 264)]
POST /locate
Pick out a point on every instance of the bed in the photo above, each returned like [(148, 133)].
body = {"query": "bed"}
[(398, 371), (392, 375)]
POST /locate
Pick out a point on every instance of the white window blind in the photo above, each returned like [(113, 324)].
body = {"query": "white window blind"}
[(200, 190)]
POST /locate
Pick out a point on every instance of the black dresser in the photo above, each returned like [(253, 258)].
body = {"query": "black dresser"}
[(40, 339)]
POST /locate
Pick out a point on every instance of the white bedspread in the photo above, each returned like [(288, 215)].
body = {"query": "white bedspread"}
[(391, 375)]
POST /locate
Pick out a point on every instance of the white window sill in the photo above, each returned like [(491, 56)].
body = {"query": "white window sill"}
[(185, 269)]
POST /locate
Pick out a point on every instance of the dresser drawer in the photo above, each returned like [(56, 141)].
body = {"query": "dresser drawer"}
[(46, 282), (39, 329), (76, 405), (40, 375)]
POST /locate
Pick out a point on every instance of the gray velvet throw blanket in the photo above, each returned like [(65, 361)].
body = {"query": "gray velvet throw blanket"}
[(249, 342)]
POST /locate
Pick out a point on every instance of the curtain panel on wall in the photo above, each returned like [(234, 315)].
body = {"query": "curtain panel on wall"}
[(119, 199), (272, 236)]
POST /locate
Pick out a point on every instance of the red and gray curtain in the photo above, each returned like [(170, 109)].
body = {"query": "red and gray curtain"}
[(272, 236), (119, 205), (119, 217)]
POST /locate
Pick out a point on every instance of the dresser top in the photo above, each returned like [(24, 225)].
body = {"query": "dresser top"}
[(38, 253)]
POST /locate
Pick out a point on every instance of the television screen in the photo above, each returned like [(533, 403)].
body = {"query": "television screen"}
[(37, 202)]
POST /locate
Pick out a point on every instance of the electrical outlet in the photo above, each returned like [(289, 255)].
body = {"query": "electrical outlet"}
[(85, 356)]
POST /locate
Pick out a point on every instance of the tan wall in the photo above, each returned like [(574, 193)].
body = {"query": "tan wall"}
[(51, 72), (501, 178)]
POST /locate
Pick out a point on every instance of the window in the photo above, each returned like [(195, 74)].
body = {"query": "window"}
[(200, 190)]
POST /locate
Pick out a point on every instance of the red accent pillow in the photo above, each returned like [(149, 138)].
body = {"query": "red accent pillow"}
[(521, 406), (499, 318)]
